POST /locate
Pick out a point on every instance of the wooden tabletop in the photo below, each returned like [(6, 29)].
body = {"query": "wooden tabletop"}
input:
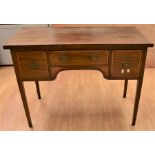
[(81, 36)]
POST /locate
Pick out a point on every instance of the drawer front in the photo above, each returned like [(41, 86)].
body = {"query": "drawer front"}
[(33, 65), (125, 63), (83, 57)]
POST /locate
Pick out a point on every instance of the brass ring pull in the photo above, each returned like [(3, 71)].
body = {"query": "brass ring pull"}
[(33, 65), (126, 68), (93, 58)]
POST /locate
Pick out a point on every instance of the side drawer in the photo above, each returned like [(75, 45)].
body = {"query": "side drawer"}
[(33, 65), (125, 63), (82, 57)]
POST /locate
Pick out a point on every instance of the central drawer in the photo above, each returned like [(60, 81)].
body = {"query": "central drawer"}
[(82, 57)]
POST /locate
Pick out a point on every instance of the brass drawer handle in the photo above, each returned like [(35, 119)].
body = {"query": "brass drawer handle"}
[(33, 65), (126, 68), (64, 58), (93, 58)]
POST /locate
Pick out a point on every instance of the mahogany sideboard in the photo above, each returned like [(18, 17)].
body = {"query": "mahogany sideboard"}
[(39, 54)]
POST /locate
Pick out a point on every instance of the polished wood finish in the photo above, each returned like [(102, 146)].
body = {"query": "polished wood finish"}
[(125, 88), (55, 70), (82, 57), (38, 89), (147, 29), (21, 89), (33, 65), (118, 53), (25, 104), (58, 38), (139, 87), (127, 61)]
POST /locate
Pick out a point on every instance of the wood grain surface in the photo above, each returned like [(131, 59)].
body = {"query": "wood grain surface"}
[(147, 29), (110, 38), (120, 58), (83, 57), (78, 36), (33, 65)]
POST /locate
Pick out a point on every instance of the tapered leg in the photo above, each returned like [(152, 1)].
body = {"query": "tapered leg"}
[(38, 89), (137, 98), (26, 108), (125, 88)]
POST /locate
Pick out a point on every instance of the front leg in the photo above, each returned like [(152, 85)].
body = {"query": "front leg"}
[(21, 88), (137, 98), (25, 104), (38, 89), (125, 88)]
